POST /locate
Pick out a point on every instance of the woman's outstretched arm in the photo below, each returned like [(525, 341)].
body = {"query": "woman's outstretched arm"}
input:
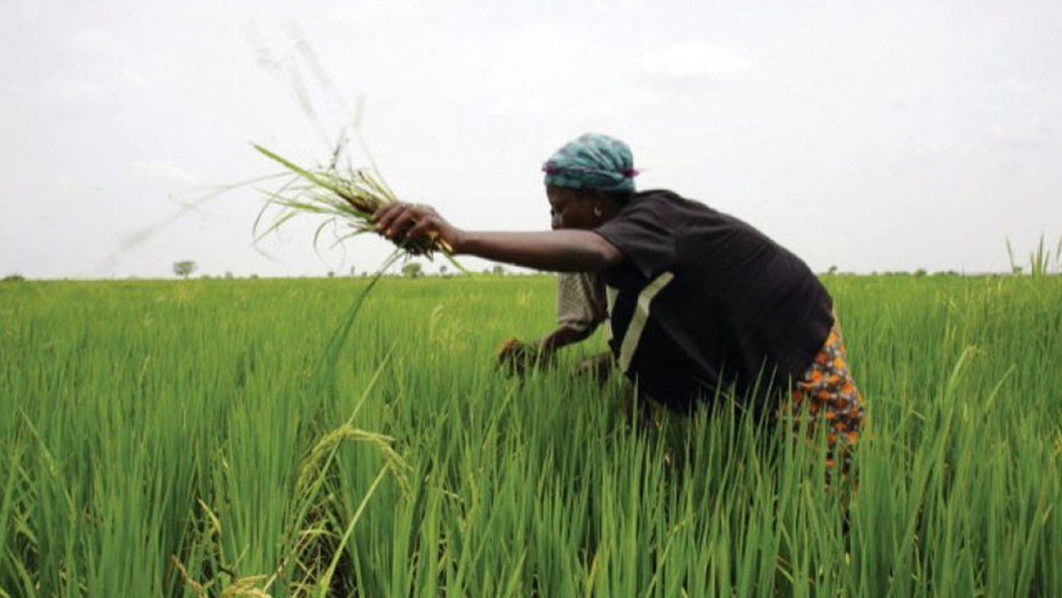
[(560, 250)]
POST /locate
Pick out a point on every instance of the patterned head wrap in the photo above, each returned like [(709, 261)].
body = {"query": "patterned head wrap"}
[(592, 161)]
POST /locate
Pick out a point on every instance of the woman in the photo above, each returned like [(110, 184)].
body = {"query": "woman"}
[(699, 302)]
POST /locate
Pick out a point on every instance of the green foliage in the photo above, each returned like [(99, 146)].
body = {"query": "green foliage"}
[(343, 200), (1041, 261), (13, 278), (185, 268), (183, 439), (412, 270)]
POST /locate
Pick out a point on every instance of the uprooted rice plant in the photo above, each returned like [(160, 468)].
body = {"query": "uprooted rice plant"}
[(343, 199), (195, 438)]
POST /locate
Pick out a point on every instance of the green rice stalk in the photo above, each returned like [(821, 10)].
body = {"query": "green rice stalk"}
[(327, 445), (326, 579), (343, 198)]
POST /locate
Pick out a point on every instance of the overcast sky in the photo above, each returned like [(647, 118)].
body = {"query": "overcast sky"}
[(868, 135)]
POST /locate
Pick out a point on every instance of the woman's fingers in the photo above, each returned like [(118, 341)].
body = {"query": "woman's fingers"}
[(398, 221), (386, 211), (386, 215), (393, 219), (423, 227), (400, 224)]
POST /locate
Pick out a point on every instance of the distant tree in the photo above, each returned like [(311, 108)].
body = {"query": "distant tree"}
[(920, 272), (331, 273), (185, 268), (14, 278), (228, 275), (498, 269), (442, 270), (412, 270), (832, 270), (253, 277), (353, 271)]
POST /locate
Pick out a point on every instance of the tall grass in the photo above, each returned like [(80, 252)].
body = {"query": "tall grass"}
[(184, 439), (1041, 261)]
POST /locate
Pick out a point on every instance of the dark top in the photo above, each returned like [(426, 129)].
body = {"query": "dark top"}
[(703, 301)]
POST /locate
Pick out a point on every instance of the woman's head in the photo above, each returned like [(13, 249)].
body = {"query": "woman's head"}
[(587, 180)]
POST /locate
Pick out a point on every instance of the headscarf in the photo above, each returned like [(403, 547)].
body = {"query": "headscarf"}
[(592, 161)]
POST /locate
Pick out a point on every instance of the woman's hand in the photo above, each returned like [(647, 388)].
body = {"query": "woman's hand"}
[(515, 357), (401, 221)]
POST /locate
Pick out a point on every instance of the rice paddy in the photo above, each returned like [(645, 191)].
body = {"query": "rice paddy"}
[(193, 438)]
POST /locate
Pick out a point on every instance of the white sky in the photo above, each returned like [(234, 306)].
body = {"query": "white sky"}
[(869, 135)]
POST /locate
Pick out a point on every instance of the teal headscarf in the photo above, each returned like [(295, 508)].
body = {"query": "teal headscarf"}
[(592, 161)]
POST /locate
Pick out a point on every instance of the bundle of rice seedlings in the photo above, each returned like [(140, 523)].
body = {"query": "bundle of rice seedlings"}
[(343, 197)]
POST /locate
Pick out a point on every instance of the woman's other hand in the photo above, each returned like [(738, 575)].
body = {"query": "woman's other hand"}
[(515, 357)]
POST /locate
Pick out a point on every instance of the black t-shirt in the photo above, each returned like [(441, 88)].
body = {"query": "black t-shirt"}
[(703, 301)]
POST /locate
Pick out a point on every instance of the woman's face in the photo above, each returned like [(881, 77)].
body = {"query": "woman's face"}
[(571, 208)]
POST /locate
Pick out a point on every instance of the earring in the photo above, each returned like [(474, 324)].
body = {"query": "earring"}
[(597, 211)]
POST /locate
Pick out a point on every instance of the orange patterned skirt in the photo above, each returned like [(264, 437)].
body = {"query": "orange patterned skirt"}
[(828, 393)]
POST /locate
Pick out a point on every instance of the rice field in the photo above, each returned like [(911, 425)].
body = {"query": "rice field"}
[(193, 438)]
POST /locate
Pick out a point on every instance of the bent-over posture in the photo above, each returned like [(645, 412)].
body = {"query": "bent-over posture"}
[(699, 302)]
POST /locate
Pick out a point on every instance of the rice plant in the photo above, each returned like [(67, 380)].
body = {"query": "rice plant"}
[(345, 199), (223, 438), (1041, 260)]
